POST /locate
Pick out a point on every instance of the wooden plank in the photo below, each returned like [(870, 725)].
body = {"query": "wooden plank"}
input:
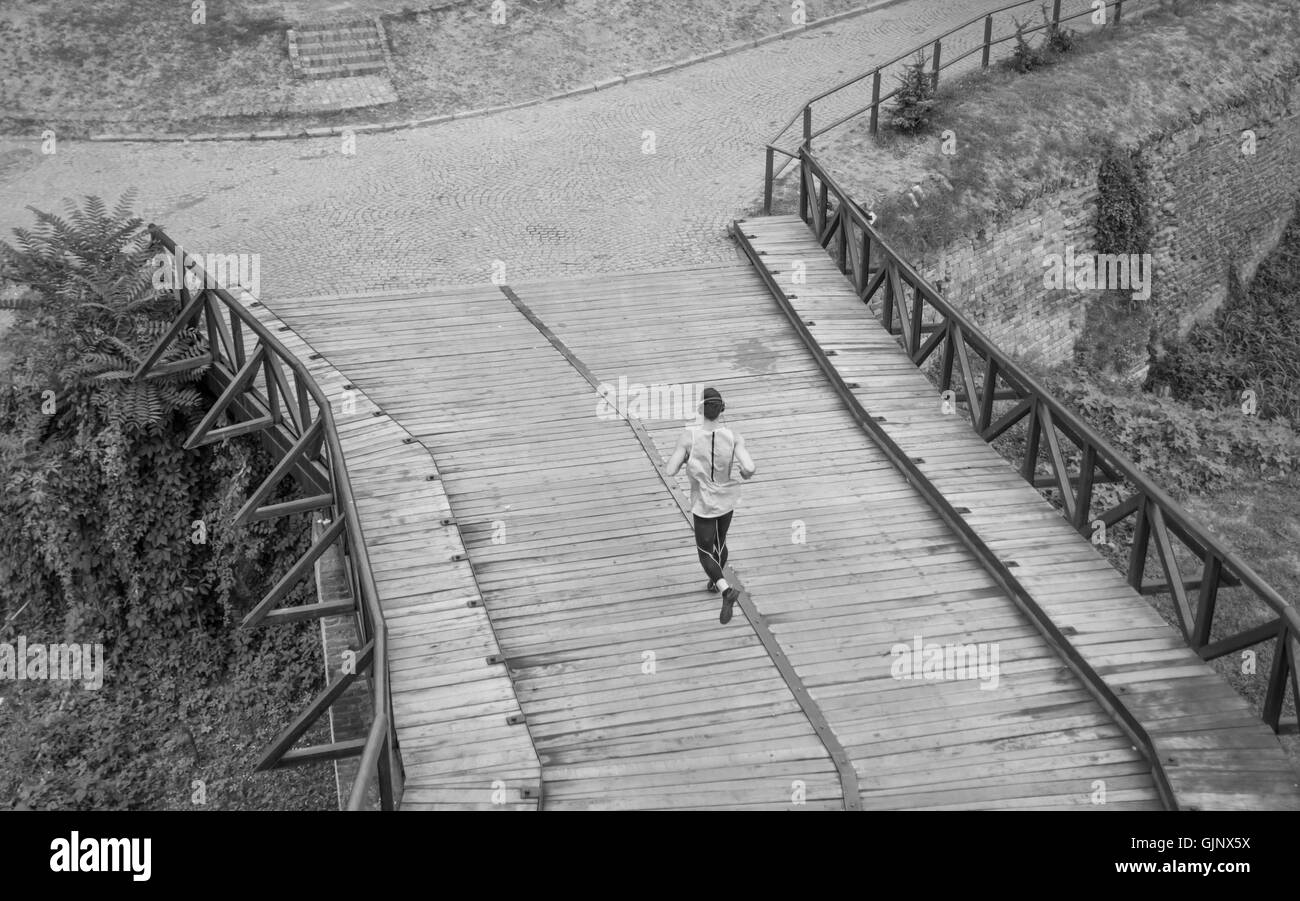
[(1056, 564)]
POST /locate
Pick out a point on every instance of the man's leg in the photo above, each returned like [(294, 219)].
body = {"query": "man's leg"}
[(706, 545), (711, 546), (729, 595), (724, 523)]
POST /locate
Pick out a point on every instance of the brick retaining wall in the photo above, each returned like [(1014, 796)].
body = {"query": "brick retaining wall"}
[(1215, 208)]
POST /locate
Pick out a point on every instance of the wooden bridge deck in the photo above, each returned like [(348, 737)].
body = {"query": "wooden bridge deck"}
[(635, 696), (1217, 752), (875, 568), (452, 708)]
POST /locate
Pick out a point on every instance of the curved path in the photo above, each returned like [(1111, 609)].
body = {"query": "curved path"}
[(560, 189)]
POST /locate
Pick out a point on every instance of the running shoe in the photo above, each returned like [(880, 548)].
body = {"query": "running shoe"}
[(729, 598)]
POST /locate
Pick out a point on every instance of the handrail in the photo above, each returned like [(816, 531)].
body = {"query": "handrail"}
[(902, 56), (380, 750), (971, 540), (936, 44), (1160, 518)]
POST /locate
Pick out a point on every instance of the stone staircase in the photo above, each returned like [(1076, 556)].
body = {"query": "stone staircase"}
[(339, 49), (340, 64)]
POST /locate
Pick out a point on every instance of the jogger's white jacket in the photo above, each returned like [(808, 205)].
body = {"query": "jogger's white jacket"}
[(710, 466)]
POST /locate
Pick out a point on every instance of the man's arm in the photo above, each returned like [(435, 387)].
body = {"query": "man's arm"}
[(747, 467), (680, 453)]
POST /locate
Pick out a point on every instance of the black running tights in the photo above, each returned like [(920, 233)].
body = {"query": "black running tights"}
[(711, 543)]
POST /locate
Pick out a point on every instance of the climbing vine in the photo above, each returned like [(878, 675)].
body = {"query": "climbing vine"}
[(116, 534)]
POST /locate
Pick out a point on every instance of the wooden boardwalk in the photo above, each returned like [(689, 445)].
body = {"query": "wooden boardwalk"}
[(875, 567), (1217, 752), (452, 709), (634, 695)]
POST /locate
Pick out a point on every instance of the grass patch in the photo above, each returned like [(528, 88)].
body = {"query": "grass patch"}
[(456, 59), (139, 65), (1022, 136), (140, 61)]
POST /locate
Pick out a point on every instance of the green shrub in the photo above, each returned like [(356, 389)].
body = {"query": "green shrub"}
[(1183, 449), (1025, 57), (914, 102), (1059, 40), (1116, 336), (98, 505), (1252, 342)]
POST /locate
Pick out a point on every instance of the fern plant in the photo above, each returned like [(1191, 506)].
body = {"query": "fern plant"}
[(99, 504), (89, 315)]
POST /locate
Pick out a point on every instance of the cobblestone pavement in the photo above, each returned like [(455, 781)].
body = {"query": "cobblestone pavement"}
[(349, 92), (561, 189), (329, 10)]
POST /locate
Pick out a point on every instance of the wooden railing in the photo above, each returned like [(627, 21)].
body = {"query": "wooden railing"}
[(1060, 453), (265, 389), (950, 49)]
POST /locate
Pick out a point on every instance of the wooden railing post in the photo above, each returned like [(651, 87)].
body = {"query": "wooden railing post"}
[(803, 187), (887, 310), (934, 76), (807, 127), (1083, 498), (875, 101), (767, 182), (1056, 13), (1276, 694), (1119, 10), (988, 41), (864, 275), (989, 394), (1137, 561), (1205, 601), (952, 334), (842, 238), (1029, 467)]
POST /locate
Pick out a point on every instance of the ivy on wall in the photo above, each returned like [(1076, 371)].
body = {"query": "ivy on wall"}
[(1248, 355), (1119, 330)]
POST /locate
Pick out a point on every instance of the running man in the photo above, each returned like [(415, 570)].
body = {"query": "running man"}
[(710, 451)]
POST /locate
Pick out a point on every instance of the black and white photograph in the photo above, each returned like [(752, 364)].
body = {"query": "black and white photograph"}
[(596, 405)]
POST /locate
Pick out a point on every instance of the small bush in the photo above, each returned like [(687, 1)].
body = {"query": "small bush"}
[(1184, 449), (1117, 334), (914, 102), (1026, 57), (1253, 342), (1059, 40)]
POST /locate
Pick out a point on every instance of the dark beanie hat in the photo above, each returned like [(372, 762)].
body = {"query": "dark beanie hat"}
[(713, 403)]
